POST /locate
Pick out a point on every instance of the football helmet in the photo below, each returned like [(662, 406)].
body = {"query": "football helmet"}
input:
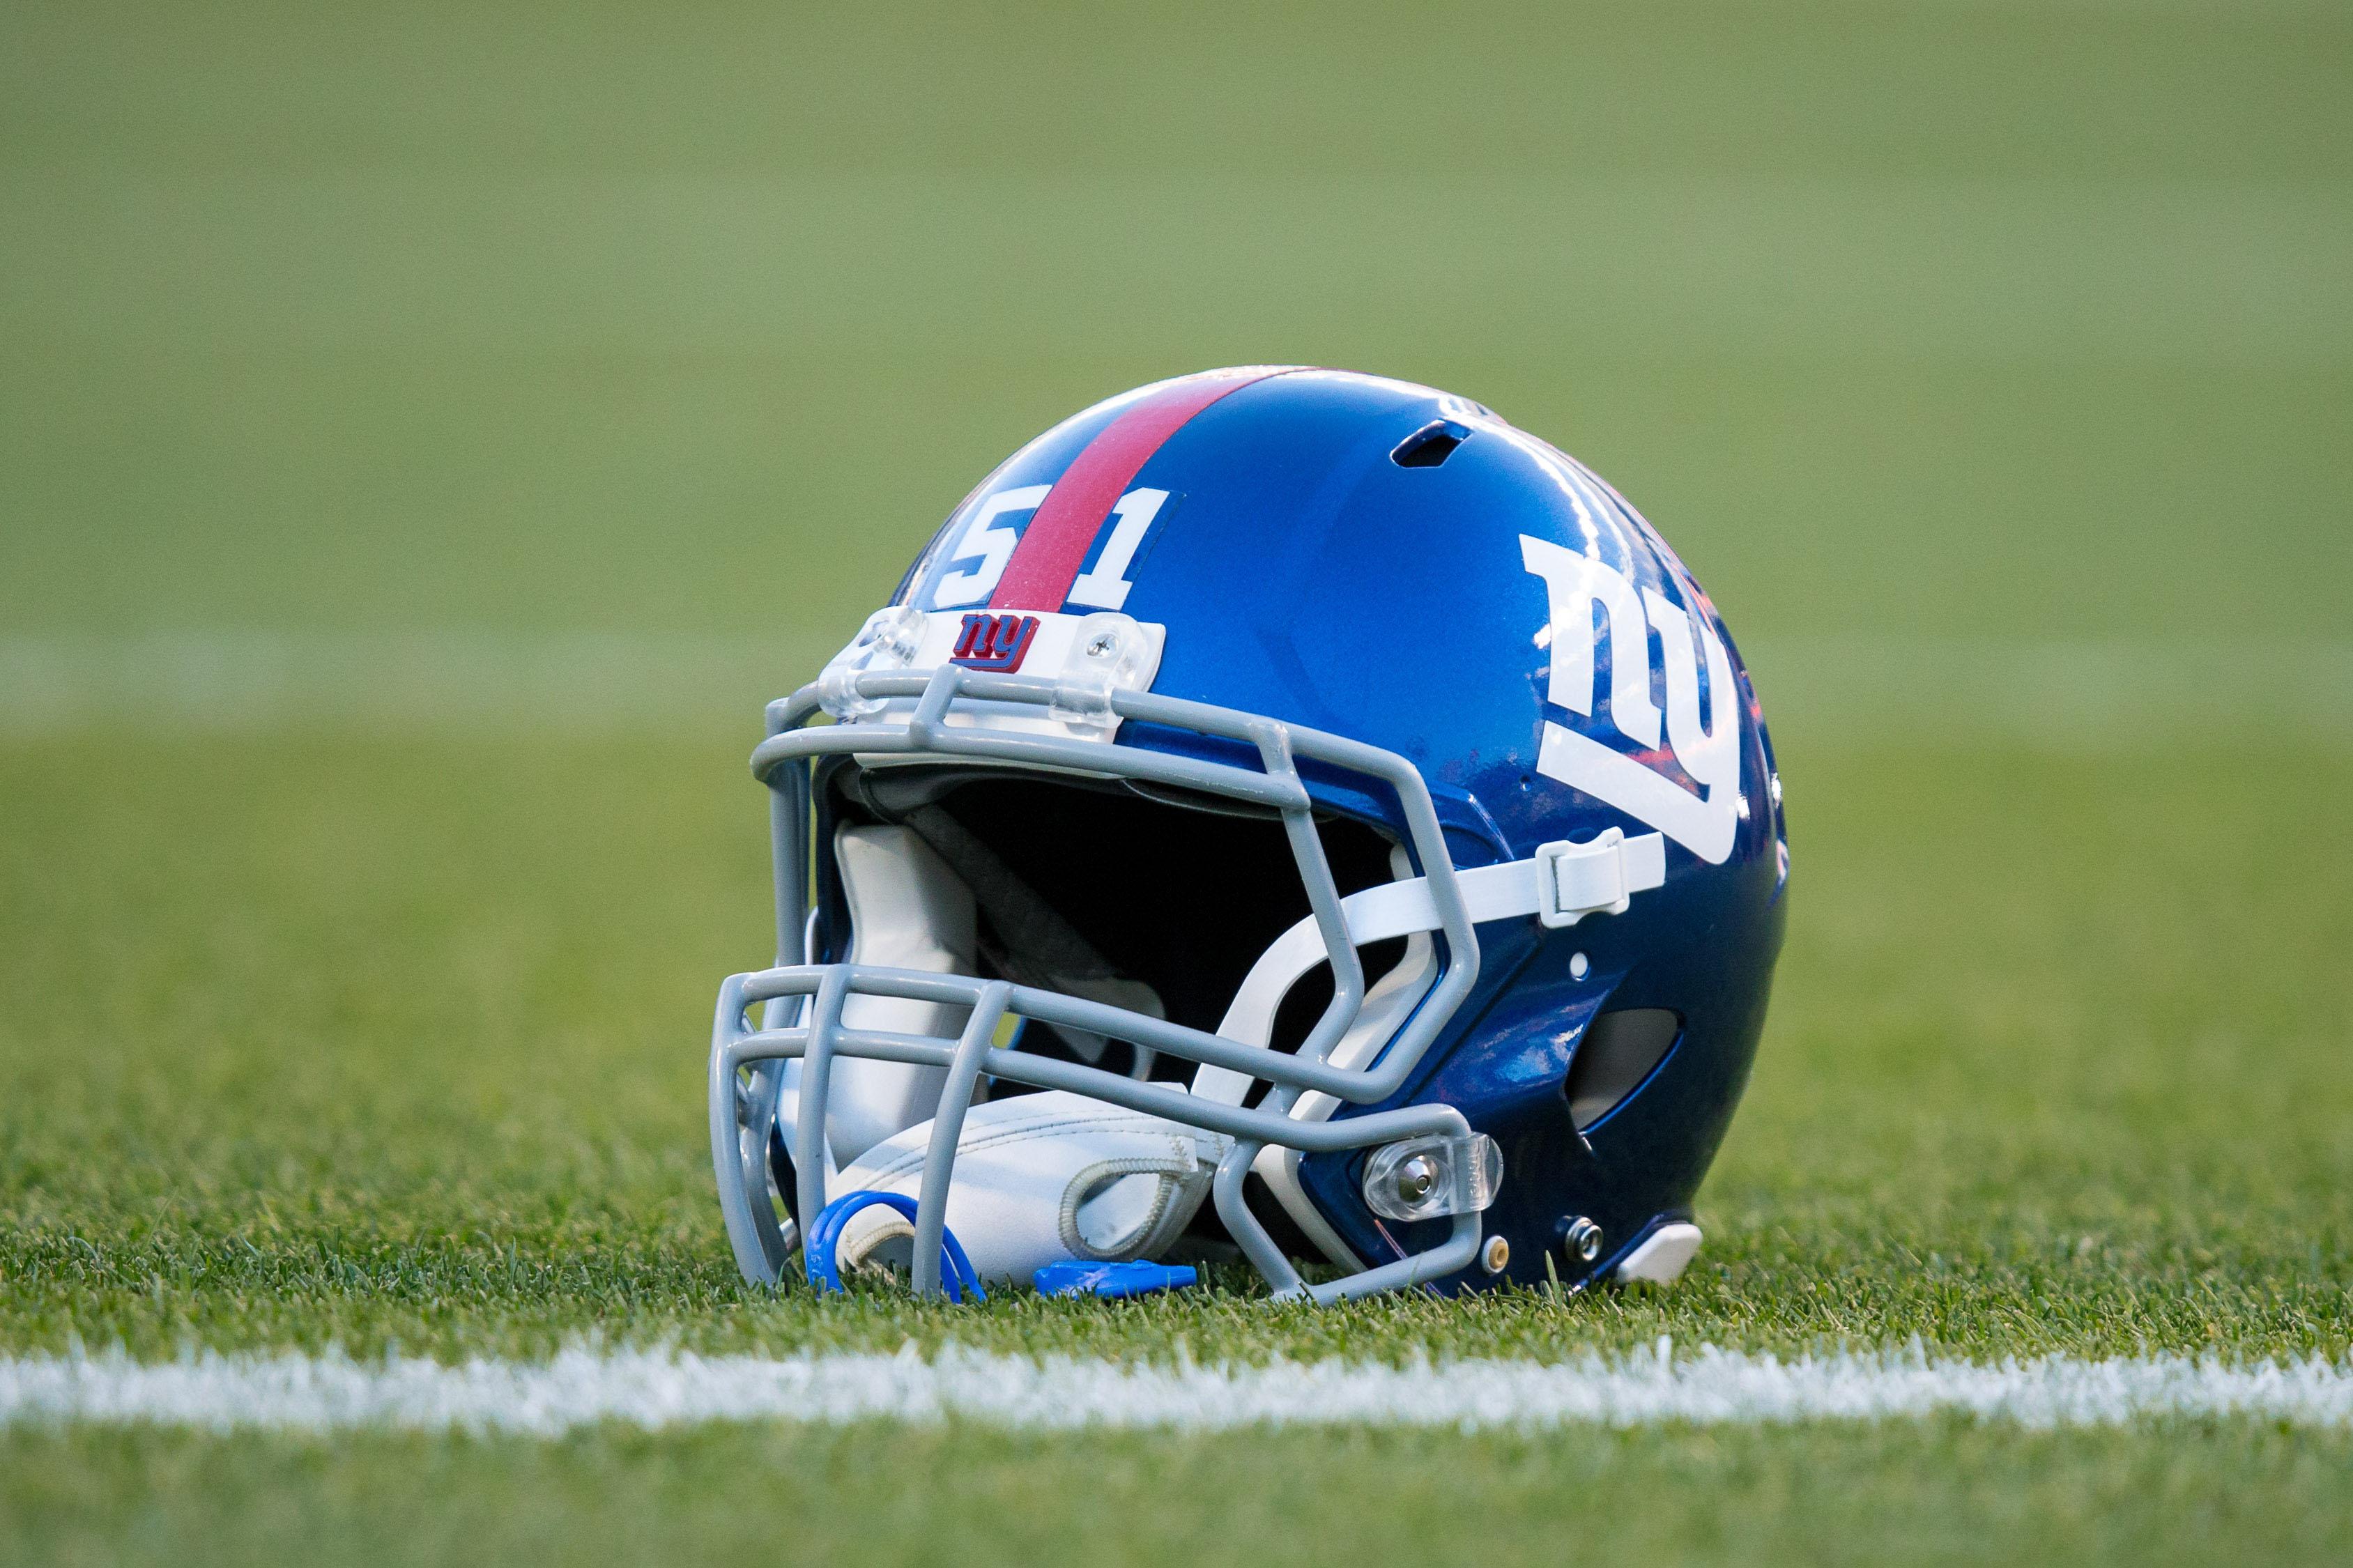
[(1281, 809)]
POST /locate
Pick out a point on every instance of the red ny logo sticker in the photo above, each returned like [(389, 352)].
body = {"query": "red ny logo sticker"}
[(995, 642)]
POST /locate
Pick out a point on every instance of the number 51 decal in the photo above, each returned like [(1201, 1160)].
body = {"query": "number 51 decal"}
[(986, 546)]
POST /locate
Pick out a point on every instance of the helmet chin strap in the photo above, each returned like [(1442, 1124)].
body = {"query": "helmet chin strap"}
[(1042, 1178)]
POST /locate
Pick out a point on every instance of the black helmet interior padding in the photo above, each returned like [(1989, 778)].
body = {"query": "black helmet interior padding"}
[(1172, 897)]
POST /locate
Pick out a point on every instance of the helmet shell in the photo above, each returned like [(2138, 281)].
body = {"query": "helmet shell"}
[(1362, 556)]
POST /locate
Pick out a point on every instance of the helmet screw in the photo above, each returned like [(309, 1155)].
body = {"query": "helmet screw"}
[(1580, 966), (1103, 643), (1416, 1177), (1581, 1240), (1494, 1255)]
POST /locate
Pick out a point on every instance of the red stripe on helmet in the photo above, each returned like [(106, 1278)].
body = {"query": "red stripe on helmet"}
[(1054, 546)]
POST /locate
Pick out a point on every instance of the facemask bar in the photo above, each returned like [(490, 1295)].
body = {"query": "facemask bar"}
[(742, 1112)]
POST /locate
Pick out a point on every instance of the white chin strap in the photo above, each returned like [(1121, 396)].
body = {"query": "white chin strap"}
[(1042, 1178)]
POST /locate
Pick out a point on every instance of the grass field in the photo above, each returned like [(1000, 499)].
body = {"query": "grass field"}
[(426, 437)]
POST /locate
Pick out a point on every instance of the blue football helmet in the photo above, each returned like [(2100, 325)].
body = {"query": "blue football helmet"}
[(1281, 809)]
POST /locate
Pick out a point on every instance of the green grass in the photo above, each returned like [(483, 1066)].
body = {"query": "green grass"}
[(1934, 1492), (327, 1037), (340, 1040), (1938, 336)]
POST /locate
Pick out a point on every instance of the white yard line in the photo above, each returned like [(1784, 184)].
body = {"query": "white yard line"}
[(662, 1388)]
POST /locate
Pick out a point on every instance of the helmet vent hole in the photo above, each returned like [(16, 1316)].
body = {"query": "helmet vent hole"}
[(1429, 446), (1619, 1052)]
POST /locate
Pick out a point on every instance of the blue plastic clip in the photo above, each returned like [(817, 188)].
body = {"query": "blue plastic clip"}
[(1110, 1280), (825, 1238)]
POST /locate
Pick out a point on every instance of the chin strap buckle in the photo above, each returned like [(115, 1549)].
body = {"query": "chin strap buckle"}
[(1600, 878)]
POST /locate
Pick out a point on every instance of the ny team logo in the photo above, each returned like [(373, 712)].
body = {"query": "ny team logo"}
[(1576, 584), (995, 642)]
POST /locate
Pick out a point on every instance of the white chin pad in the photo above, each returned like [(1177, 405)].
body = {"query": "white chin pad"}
[(907, 910), (1040, 1179)]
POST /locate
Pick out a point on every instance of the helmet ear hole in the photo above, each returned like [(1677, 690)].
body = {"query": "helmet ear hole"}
[(1619, 1052)]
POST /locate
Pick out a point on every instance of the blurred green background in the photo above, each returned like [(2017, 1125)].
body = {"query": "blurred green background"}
[(1914, 319), (428, 434)]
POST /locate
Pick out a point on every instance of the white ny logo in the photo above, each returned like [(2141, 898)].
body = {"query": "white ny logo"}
[(1575, 582)]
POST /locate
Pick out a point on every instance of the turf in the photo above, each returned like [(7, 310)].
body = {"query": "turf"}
[(1990, 362), (336, 1040), (1945, 1493)]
